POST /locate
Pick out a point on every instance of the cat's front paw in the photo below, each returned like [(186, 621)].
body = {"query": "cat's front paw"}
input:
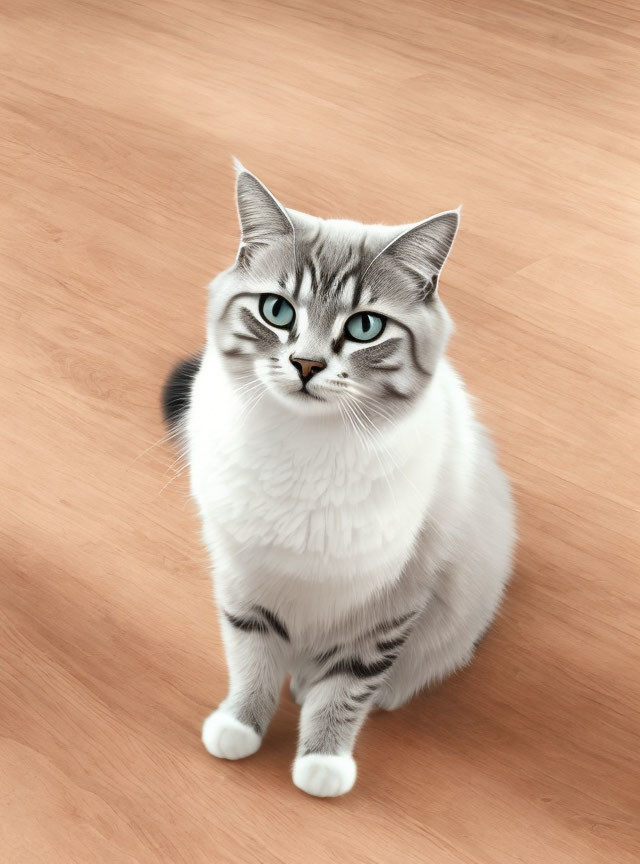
[(228, 738), (324, 776)]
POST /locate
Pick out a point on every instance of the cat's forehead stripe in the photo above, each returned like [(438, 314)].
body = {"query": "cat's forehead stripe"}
[(334, 273)]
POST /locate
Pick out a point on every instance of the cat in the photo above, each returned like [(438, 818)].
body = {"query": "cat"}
[(360, 528)]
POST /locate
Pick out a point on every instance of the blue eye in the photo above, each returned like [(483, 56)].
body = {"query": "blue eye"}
[(276, 310), (365, 326)]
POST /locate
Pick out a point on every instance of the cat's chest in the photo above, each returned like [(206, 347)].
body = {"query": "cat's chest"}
[(274, 494), (279, 504)]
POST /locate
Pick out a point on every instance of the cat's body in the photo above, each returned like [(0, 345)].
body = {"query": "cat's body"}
[(363, 551)]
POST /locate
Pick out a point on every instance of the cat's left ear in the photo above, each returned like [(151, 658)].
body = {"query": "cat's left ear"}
[(422, 250), (262, 218)]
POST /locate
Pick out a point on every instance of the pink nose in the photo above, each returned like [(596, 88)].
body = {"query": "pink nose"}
[(307, 368)]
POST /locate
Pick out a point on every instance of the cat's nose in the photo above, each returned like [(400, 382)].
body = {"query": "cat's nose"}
[(307, 368)]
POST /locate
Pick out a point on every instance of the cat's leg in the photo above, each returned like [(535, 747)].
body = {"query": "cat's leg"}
[(257, 649), (337, 701), (332, 714)]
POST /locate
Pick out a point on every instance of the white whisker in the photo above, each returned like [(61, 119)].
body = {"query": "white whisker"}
[(172, 434)]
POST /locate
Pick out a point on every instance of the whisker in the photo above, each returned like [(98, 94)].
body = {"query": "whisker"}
[(389, 456), (247, 386), (254, 399), (168, 436), (356, 425), (171, 479)]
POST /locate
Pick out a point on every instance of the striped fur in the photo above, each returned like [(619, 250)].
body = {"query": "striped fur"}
[(329, 270), (360, 528)]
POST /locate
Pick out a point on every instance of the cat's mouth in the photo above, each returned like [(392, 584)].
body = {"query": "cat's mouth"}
[(304, 393)]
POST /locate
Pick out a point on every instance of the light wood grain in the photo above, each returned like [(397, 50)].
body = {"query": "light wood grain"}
[(117, 122)]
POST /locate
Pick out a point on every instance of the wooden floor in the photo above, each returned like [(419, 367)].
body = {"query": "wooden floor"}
[(117, 124)]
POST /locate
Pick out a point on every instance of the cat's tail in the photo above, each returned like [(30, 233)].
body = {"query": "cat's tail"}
[(176, 393)]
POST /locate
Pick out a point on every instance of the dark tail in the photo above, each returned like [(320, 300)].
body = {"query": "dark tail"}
[(176, 392)]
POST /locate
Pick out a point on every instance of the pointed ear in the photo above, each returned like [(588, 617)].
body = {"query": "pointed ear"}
[(262, 218), (422, 250)]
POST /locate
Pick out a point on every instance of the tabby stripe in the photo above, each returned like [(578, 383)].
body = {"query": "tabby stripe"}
[(340, 276), (391, 643), (299, 275), (326, 655), (368, 693), (257, 329), (233, 352), (274, 621), (337, 344), (362, 697), (393, 392), (377, 353), (313, 250), (233, 299), (412, 346), (340, 282), (354, 666), (248, 625), (357, 292), (394, 622), (313, 268)]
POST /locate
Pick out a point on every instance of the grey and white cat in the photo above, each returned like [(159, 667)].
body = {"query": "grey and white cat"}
[(360, 528)]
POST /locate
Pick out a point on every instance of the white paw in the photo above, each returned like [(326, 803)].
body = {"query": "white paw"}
[(324, 776), (228, 738)]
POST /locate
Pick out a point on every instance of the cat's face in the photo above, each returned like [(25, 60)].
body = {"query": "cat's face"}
[(328, 316)]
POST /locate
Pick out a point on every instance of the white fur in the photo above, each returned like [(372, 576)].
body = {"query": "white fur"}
[(324, 776), (228, 738), (303, 500)]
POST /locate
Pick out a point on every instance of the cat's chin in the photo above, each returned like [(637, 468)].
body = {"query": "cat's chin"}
[(306, 404)]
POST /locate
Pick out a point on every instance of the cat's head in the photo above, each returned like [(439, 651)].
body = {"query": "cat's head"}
[(331, 316)]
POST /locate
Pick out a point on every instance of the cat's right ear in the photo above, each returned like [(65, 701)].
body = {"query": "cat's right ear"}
[(262, 218)]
